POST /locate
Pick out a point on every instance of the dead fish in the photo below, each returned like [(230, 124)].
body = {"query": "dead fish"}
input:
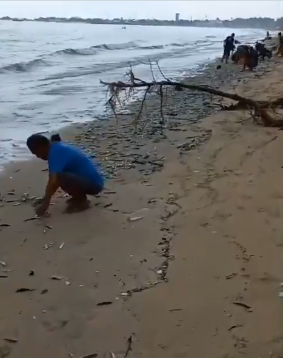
[(58, 278), (47, 246), (33, 218), (242, 304), (228, 277), (11, 340), (24, 289), (135, 218), (104, 303)]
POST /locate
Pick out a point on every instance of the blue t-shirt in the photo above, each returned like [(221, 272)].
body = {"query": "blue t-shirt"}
[(66, 158)]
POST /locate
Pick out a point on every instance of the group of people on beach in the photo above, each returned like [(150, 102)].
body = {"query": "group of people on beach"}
[(250, 55)]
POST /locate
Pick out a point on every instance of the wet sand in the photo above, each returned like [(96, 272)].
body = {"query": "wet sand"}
[(179, 257)]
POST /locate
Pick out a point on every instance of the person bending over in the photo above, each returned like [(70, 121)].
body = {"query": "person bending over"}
[(69, 169), (228, 47)]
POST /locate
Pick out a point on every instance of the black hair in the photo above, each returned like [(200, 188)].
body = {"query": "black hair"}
[(35, 141), (55, 138)]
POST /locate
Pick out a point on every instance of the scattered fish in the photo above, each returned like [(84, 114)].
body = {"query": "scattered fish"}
[(135, 218), (242, 304), (11, 340), (104, 303), (24, 289), (58, 278)]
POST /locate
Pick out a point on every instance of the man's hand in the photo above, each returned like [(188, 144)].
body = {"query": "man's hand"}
[(38, 201), (50, 189), (42, 208)]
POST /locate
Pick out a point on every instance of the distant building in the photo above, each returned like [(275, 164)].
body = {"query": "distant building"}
[(177, 17)]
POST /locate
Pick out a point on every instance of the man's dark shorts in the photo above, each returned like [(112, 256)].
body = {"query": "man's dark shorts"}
[(73, 184)]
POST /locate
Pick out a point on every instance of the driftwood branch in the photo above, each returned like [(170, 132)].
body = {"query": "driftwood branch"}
[(259, 110)]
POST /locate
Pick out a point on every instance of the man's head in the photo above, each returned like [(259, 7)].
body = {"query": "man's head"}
[(39, 146), (233, 35)]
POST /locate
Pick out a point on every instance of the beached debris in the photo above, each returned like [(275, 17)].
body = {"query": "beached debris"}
[(57, 278), (5, 225), (104, 303), (32, 218), (234, 326), (129, 345), (262, 112), (24, 289), (244, 305), (135, 218), (47, 246), (140, 289), (24, 241), (11, 340), (232, 275), (92, 355)]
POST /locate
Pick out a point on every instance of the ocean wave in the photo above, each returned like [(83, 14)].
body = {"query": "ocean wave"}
[(89, 51), (115, 47), (48, 59), (23, 66)]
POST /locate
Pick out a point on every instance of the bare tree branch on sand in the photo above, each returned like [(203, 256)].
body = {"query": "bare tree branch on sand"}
[(261, 111)]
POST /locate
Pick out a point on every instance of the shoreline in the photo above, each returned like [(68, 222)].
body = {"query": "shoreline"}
[(202, 264), (251, 22), (205, 73), (13, 147)]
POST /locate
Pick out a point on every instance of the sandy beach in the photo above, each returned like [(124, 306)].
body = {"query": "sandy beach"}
[(179, 257)]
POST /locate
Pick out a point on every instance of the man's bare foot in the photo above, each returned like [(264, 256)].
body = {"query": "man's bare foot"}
[(76, 206)]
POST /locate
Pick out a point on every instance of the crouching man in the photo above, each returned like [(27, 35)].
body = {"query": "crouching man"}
[(69, 169)]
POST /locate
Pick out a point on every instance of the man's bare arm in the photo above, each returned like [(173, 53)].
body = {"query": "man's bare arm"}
[(51, 187)]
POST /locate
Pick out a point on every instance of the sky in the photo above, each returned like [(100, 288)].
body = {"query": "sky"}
[(225, 9)]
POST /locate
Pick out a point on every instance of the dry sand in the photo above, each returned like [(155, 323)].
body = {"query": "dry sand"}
[(197, 276)]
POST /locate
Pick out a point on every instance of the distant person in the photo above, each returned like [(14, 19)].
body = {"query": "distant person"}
[(280, 45), (267, 35), (262, 51), (228, 47), (69, 169)]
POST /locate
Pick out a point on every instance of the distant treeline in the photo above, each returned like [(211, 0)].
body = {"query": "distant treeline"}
[(253, 22)]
